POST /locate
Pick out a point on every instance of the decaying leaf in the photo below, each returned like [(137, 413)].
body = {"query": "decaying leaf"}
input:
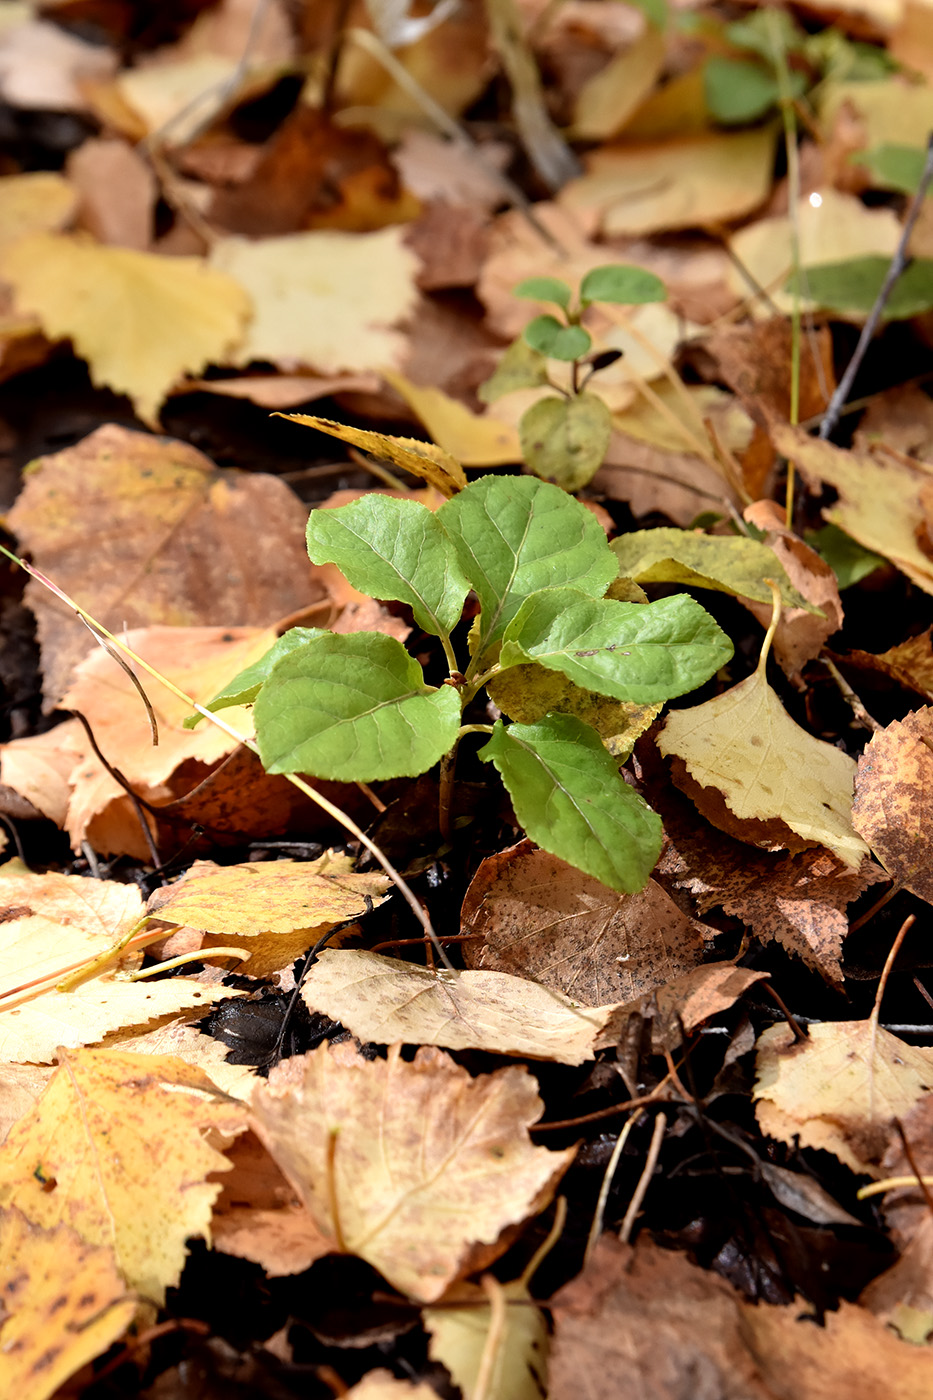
[(38, 202), (184, 543), (528, 692), (461, 1335), (385, 1000), (893, 805), (140, 320), (474, 439), (537, 917), (839, 1088), (745, 745), (257, 1215), (117, 1149), (62, 1302), (431, 464), (424, 1198)]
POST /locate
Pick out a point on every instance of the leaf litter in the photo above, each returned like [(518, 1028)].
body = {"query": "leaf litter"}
[(225, 248)]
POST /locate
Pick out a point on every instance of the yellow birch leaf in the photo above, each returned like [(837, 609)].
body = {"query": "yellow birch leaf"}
[(324, 299), (117, 1147), (40, 201), (421, 459), (62, 1302), (460, 1335), (894, 800), (745, 745), (840, 1088), (416, 1166), (475, 439), (385, 1000), (140, 320), (885, 499), (607, 99)]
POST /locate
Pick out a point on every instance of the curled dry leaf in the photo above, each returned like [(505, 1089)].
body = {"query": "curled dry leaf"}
[(839, 1088), (416, 1166), (185, 543), (118, 1149), (537, 917), (257, 1215), (894, 800), (385, 1000), (62, 1303)]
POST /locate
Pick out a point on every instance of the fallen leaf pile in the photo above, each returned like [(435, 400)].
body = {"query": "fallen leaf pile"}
[(316, 1088)]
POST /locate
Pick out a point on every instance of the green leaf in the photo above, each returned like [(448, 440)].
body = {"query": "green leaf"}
[(738, 90), (245, 686), (569, 797), (761, 31), (546, 335), (515, 535), (655, 11), (893, 167), (353, 708), (852, 287), (642, 652), (565, 440), (849, 561), (544, 289), (391, 548), (617, 282), (727, 563), (520, 368)]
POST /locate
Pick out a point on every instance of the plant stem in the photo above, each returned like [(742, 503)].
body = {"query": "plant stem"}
[(789, 118)]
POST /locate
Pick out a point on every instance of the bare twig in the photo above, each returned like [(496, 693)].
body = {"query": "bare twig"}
[(651, 1161)]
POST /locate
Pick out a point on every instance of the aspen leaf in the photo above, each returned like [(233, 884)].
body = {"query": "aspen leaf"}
[(745, 745), (140, 320), (460, 1336), (424, 460), (117, 1148), (385, 1000), (62, 1302), (38, 202), (425, 1197), (729, 564), (328, 300), (840, 1088)]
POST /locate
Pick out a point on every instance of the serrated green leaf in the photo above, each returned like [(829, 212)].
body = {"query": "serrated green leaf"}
[(515, 535), (391, 548), (353, 708), (893, 167), (642, 652), (520, 368), (245, 686), (565, 440), (618, 282), (738, 90), (851, 287), (569, 797), (559, 342), (544, 289), (726, 563)]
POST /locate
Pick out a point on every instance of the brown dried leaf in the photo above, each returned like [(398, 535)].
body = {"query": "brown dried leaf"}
[(800, 634), (257, 1215), (894, 800), (184, 543), (539, 918), (423, 1165)]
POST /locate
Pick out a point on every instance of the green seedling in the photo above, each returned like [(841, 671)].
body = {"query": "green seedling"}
[(358, 708), (565, 436)]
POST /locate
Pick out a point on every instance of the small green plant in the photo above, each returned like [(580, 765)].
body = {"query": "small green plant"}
[(564, 437), (358, 707)]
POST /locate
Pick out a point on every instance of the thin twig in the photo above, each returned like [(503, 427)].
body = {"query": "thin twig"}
[(651, 1161), (898, 265), (596, 1228), (912, 1163)]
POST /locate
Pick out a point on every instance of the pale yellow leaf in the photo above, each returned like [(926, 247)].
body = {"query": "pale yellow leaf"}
[(62, 1302), (328, 300), (180, 95), (840, 1088), (475, 439), (460, 1336), (140, 320), (38, 202), (382, 1385), (680, 183), (838, 228), (607, 99), (424, 1165), (38, 767), (385, 1000), (118, 1149), (744, 744), (896, 112)]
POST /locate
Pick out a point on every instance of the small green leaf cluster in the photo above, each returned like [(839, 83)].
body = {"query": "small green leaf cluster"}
[(564, 440), (358, 707)]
